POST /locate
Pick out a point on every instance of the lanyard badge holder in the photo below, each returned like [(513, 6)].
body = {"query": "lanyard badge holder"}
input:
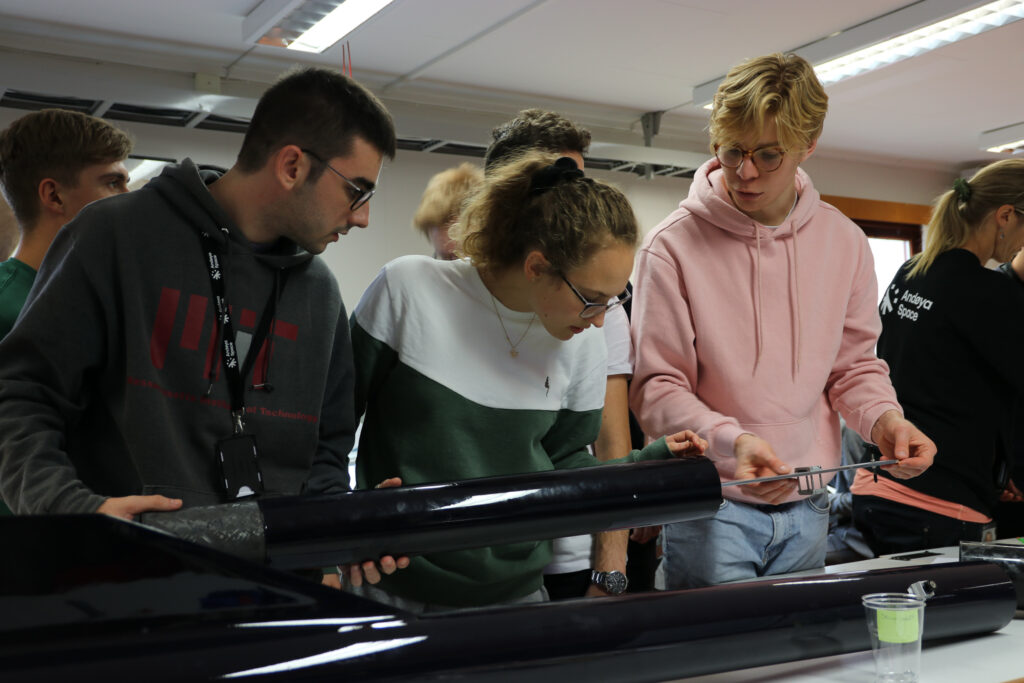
[(237, 455), (239, 462)]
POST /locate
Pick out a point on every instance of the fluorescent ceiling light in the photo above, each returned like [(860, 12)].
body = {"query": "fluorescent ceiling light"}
[(1007, 148), (344, 19), (1005, 140), (307, 25), (965, 25), (910, 31)]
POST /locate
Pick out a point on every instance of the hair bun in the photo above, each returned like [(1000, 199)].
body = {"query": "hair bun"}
[(564, 170)]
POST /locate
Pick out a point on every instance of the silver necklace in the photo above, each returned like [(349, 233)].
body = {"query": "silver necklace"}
[(511, 347)]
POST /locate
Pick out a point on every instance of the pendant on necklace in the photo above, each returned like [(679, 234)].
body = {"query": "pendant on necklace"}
[(513, 353)]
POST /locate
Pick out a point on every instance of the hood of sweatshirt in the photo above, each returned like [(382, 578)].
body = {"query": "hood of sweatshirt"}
[(709, 200), (185, 188)]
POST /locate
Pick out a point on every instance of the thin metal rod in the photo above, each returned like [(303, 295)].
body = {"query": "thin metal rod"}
[(811, 472)]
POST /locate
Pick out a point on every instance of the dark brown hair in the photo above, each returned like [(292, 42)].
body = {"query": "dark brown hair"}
[(317, 109), (535, 129), (57, 144)]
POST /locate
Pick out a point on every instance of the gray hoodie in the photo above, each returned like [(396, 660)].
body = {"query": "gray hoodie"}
[(111, 382)]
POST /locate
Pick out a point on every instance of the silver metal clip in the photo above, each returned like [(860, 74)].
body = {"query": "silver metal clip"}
[(811, 480)]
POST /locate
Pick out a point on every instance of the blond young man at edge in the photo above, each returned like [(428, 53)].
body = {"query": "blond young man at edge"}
[(772, 335), (440, 205)]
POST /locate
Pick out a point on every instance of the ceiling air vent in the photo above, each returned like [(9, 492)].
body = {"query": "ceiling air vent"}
[(224, 123), (160, 116), (34, 102)]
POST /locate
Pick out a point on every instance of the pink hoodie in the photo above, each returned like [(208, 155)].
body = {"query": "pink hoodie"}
[(742, 328)]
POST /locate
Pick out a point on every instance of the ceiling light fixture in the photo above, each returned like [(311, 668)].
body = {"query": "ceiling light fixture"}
[(989, 16), (1005, 140), (307, 25), (890, 38)]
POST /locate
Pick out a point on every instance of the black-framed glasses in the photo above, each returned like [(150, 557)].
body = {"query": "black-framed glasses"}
[(360, 195), (766, 159), (591, 309)]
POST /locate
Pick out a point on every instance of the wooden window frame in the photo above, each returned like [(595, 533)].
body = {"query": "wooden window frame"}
[(885, 220)]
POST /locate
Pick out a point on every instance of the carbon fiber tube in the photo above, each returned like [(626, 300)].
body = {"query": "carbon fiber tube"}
[(1009, 556), (235, 528), (313, 531), (92, 597)]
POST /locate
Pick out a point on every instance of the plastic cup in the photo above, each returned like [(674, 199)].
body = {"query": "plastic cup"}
[(895, 622)]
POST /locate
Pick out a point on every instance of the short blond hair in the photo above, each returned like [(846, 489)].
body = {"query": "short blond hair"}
[(446, 191), (779, 87)]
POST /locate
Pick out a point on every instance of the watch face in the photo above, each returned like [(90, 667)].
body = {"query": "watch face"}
[(614, 582)]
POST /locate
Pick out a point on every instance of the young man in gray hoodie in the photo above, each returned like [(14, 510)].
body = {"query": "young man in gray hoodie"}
[(182, 345)]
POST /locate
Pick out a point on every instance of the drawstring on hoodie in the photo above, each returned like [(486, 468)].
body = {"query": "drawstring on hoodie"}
[(211, 361), (795, 294), (796, 307), (265, 385), (710, 195), (760, 310)]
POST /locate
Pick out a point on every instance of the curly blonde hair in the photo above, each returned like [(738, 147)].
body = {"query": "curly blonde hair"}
[(446, 191), (779, 87), (568, 223)]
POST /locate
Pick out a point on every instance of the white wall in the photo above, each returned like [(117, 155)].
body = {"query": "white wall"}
[(356, 258)]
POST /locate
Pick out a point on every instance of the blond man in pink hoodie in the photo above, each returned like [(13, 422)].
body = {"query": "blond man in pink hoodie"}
[(754, 323)]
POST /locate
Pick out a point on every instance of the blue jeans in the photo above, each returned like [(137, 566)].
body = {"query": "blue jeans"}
[(744, 541)]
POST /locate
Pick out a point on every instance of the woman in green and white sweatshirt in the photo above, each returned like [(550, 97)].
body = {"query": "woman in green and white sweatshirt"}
[(486, 366)]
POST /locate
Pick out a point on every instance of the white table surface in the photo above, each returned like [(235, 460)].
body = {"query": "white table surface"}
[(992, 658)]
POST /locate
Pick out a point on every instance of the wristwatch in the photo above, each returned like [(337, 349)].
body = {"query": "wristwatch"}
[(612, 582)]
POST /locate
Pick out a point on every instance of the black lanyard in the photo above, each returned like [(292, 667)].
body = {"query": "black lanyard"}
[(235, 373)]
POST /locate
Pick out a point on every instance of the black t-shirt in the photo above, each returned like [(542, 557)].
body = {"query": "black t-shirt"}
[(952, 339)]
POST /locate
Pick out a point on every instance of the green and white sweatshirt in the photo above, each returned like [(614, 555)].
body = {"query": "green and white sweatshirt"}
[(444, 400)]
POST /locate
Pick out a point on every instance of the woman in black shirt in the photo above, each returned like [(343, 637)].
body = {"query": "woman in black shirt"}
[(951, 334)]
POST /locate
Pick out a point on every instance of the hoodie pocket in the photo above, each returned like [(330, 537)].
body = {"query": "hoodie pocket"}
[(793, 442)]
